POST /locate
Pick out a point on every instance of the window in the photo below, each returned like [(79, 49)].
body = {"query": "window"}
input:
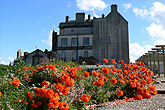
[(72, 30), (99, 39), (64, 55), (36, 60), (74, 41), (74, 55), (108, 39), (64, 42), (86, 54), (86, 41)]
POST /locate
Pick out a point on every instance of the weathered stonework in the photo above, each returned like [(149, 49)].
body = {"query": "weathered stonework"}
[(108, 37)]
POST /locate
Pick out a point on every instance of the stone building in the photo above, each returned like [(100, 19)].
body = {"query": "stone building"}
[(92, 40), (35, 57)]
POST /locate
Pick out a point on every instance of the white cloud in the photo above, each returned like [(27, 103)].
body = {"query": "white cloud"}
[(11, 59), (54, 26), (142, 12), (47, 16), (157, 29), (136, 50), (49, 40), (127, 6), (69, 4), (2, 62), (95, 15), (91, 5)]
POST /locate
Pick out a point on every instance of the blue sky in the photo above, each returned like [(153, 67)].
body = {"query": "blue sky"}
[(27, 24)]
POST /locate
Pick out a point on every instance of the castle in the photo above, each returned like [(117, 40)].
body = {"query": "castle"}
[(92, 40)]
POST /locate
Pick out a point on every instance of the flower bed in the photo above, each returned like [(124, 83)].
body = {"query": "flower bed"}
[(64, 86)]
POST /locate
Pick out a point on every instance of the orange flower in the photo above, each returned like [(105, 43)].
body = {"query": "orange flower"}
[(65, 91), (95, 73), (86, 74), (16, 82), (105, 79), (121, 81), (64, 106), (112, 60), (39, 103), (97, 65), (64, 77), (153, 87), (121, 62), (147, 94), (30, 95), (53, 104), (140, 90), (154, 92), (94, 83), (85, 98), (113, 80), (105, 70), (120, 76), (45, 83), (120, 93), (133, 84), (105, 60), (100, 82), (0, 94), (144, 82), (138, 97), (70, 82)]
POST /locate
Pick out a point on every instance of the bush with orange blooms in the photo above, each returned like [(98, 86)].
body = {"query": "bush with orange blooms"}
[(60, 85)]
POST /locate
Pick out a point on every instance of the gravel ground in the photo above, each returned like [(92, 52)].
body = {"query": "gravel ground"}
[(157, 102)]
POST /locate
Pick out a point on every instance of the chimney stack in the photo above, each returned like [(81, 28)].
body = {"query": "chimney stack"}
[(19, 53), (113, 8), (89, 17), (103, 15), (67, 19), (80, 17)]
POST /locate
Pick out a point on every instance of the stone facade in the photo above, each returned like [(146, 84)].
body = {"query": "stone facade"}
[(108, 37), (35, 57)]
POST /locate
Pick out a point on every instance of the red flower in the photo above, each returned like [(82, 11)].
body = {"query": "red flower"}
[(85, 98), (105, 70), (45, 83), (95, 73), (100, 82), (16, 82), (121, 61), (64, 106), (120, 93), (138, 97), (97, 65), (105, 60), (54, 104), (86, 74), (113, 80)]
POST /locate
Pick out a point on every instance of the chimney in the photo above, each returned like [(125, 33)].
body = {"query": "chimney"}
[(67, 19), (89, 17), (18, 53), (25, 55), (80, 17), (103, 15), (113, 8), (54, 40)]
